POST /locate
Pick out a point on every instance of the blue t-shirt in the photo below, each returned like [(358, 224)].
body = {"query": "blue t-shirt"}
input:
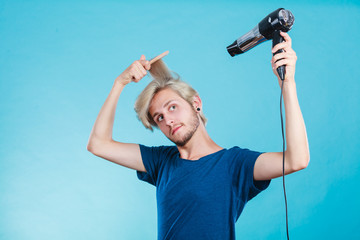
[(200, 199)]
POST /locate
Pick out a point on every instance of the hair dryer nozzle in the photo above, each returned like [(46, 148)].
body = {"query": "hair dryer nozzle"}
[(234, 49)]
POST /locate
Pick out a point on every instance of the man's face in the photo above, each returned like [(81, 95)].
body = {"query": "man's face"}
[(175, 117)]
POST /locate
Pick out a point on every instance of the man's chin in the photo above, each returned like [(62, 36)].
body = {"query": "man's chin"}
[(182, 142), (179, 142)]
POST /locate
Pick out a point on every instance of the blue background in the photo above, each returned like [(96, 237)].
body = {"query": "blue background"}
[(58, 61)]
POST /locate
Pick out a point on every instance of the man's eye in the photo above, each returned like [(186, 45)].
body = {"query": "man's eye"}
[(160, 118)]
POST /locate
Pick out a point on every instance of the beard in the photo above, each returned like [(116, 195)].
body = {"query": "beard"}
[(193, 126)]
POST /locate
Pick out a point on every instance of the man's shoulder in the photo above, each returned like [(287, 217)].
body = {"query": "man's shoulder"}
[(162, 149), (235, 149), (241, 150)]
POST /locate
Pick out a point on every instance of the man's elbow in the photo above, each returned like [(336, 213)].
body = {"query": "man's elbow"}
[(89, 148), (302, 163), (91, 145)]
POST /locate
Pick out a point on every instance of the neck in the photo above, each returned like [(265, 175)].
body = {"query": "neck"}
[(199, 145)]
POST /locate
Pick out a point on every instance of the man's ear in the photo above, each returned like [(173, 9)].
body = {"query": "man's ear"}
[(197, 102)]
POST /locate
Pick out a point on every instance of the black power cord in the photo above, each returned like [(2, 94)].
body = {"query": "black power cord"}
[(283, 137)]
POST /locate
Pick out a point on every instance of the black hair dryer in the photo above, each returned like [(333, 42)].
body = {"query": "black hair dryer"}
[(268, 28)]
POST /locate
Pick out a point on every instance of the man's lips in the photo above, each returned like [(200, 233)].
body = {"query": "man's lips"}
[(175, 129)]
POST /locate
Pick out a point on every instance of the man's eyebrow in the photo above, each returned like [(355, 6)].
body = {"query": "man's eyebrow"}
[(165, 105)]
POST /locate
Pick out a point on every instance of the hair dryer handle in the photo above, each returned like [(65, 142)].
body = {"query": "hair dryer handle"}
[(277, 38)]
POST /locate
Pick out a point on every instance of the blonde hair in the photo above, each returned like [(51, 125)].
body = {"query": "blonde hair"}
[(162, 79)]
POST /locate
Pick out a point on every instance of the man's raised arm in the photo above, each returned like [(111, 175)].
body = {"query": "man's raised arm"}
[(297, 156), (100, 141)]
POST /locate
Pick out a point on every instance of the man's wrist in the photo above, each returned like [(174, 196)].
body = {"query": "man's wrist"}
[(119, 84), (289, 82)]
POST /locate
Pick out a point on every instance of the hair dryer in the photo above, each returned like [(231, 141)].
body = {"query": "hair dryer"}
[(268, 28)]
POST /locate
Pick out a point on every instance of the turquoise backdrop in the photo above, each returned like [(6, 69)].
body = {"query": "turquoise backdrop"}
[(59, 59)]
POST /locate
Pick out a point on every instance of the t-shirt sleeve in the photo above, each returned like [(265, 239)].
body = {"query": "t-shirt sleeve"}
[(153, 159), (243, 174)]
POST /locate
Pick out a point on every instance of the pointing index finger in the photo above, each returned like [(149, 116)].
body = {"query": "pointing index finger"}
[(159, 57)]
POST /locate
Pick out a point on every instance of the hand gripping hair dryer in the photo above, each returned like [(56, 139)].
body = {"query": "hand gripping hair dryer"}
[(268, 28)]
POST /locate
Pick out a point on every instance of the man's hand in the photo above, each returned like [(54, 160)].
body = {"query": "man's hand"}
[(135, 72), (288, 58)]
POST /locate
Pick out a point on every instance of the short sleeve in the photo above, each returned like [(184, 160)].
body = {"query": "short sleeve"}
[(154, 159), (242, 169)]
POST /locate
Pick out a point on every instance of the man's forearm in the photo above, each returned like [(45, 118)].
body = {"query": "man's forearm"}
[(102, 130), (297, 153)]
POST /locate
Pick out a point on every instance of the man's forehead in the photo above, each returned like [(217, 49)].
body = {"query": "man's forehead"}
[(161, 98)]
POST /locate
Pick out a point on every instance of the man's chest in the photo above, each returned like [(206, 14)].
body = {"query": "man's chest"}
[(195, 184)]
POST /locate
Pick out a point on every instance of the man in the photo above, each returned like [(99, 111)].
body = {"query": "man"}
[(201, 187)]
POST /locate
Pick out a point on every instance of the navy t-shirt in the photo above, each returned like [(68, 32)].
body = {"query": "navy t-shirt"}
[(200, 199)]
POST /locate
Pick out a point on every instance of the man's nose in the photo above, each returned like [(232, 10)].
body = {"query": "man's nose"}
[(169, 121)]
